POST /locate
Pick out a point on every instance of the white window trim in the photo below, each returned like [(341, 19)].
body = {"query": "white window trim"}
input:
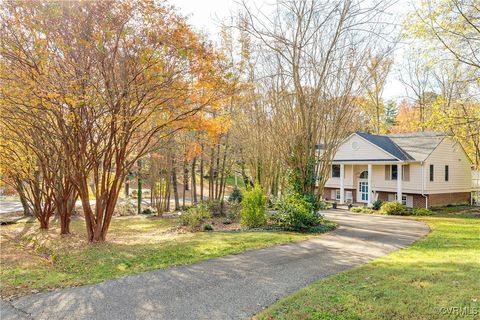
[(404, 199), (391, 172), (340, 172), (337, 194)]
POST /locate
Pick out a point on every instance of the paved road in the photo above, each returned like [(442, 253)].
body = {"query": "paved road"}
[(10, 206), (16, 206), (232, 287)]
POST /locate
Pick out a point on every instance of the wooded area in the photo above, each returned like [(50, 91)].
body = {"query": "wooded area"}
[(92, 105)]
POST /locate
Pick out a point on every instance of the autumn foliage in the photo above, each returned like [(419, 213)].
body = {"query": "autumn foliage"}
[(102, 91)]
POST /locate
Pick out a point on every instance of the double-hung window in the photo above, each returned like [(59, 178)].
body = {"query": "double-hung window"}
[(335, 171)]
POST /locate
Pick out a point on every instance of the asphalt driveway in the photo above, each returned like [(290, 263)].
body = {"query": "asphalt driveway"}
[(231, 287)]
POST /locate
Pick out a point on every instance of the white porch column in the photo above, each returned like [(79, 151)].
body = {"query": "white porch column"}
[(399, 182), (342, 184), (370, 185)]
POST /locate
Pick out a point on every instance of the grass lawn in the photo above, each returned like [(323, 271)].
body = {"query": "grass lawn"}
[(425, 281), (32, 260)]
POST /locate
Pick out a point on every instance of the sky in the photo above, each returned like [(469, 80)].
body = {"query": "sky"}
[(206, 15)]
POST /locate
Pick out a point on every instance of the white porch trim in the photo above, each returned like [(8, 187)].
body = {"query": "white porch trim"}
[(399, 181), (342, 183), (370, 173)]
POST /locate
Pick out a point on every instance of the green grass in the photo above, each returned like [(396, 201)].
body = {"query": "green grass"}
[(439, 271), (32, 260), (230, 182), (451, 209)]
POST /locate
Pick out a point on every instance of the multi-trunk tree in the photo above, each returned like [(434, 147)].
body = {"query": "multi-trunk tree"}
[(309, 66), (112, 89)]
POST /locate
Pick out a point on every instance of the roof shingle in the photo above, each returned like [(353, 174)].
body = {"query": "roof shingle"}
[(415, 146)]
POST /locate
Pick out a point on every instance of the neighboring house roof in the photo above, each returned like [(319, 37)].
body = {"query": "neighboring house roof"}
[(415, 146)]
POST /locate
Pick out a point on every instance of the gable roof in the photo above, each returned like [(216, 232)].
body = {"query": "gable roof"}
[(416, 146), (386, 144), (419, 145)]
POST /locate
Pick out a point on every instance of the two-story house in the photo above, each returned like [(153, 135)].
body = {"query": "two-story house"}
[(423, 169)]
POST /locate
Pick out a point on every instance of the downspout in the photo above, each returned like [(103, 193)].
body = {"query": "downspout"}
[(423, 186)]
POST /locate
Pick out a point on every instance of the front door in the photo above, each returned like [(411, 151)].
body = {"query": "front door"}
[(362, 192)]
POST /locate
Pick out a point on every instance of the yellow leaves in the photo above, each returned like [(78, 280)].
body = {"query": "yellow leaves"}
[(52, 96)]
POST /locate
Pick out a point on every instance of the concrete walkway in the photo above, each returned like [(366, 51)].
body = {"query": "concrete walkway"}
[(231, 287)]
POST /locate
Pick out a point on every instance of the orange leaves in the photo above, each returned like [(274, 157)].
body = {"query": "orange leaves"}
[(407, 118)]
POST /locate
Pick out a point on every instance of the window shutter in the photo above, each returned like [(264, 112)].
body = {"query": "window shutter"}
[(387, 172), (406, 172), (333, 194)]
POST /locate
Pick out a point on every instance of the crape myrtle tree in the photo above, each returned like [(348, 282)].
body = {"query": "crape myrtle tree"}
[(22, 169), (310, 62), (113, 78), (34, 161)]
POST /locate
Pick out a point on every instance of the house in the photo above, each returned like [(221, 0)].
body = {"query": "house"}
[(423, 169)]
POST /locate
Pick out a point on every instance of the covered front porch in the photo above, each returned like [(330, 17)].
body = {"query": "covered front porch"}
[(361, 181)]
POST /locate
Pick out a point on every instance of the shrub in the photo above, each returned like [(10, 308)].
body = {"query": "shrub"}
[(185, 208), (377, 204), (149, 210), (234, 209), (126, 208), (207, 227), (361, 210), (195, 216), (324, 227), (322, 205), (253, 208), (313, 201), (421, 212), (393, 208), (227, 221), (215, 207), (235, 196), (296, 213)]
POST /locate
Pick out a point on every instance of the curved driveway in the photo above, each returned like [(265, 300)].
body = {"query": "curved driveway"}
[(231, 287)]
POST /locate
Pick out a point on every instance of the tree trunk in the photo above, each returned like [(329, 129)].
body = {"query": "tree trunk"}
[(185, 182), (217, 173), (65, 224), (201, 175), (194, 183), (210, 176), (222, 176), (27, 212), (65, 207), (26, 208), (44, 224), (98, 222), (174, 183), (185, 175), (139, 188)]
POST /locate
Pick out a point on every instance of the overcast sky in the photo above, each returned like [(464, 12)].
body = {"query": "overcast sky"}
[(205, 16)]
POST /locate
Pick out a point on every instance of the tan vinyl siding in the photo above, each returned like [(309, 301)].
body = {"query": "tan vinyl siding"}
[(412, 181), (348, 182), (365, 151), (352, 173), (448, 153)]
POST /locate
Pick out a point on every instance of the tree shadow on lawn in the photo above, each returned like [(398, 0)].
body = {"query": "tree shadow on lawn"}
[(241, 284), (439, 271)]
